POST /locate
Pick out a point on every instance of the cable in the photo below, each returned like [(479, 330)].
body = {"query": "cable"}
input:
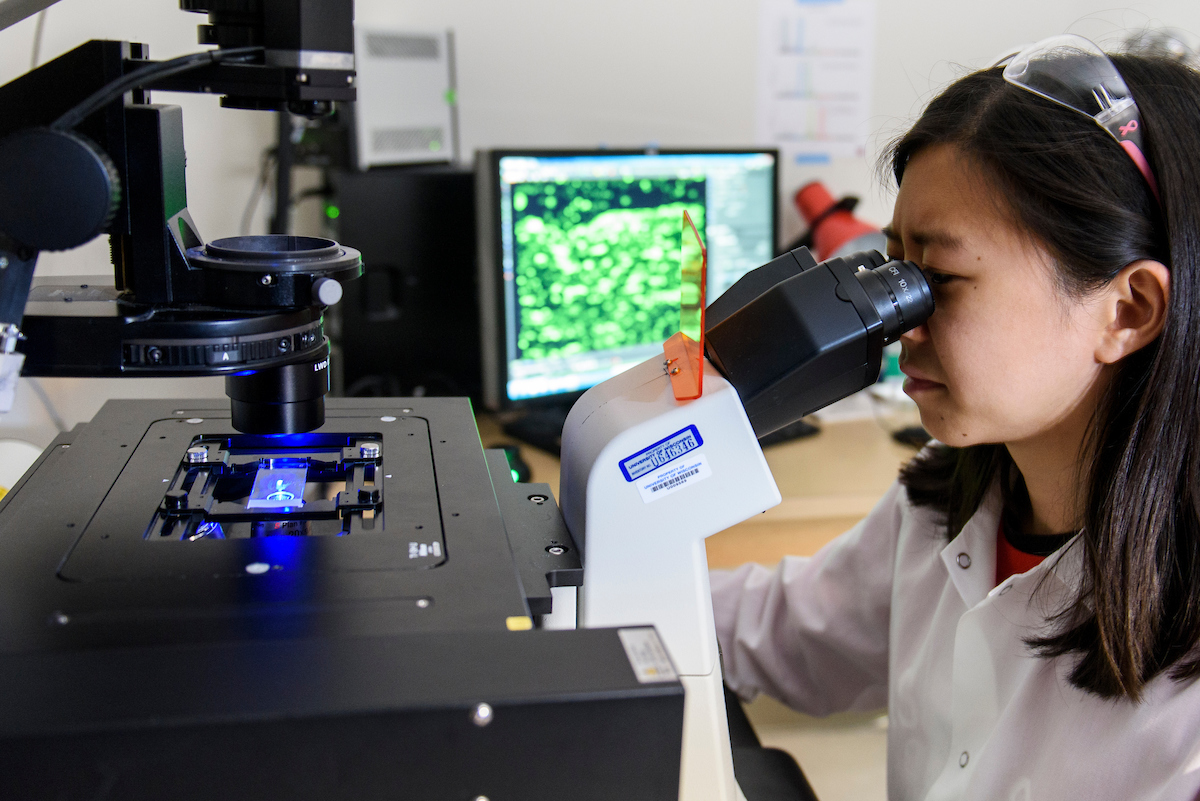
[(317, 191), (264, 178), (143, 76), (37, 39)]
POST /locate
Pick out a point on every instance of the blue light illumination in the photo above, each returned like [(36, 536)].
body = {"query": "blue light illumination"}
[(282, 551), (288, 580), (278, 487), (297, 440), (208, 530)]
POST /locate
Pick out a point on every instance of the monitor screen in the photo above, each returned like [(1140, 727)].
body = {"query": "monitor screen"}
[(582, 277)]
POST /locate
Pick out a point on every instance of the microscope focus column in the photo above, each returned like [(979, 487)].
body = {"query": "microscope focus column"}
[(645, 479)]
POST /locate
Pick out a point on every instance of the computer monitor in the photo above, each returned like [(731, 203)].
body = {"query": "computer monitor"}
[(579, 257)]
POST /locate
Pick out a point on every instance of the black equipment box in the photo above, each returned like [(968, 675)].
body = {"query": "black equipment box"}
[(410, 326)]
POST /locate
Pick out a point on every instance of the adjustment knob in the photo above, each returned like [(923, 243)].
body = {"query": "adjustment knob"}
[(57, 189), (327, 291), (176, 499)]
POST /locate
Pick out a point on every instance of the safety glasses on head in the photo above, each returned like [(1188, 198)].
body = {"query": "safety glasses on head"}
[(1073, 72)]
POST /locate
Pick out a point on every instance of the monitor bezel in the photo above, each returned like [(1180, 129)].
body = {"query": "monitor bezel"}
[(491, 280)]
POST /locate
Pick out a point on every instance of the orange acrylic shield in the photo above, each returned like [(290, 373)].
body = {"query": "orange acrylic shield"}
[(685, 350)]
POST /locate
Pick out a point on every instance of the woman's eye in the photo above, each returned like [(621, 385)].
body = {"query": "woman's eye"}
[(938, 279)]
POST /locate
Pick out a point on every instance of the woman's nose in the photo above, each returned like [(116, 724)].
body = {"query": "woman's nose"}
[(915, 335)]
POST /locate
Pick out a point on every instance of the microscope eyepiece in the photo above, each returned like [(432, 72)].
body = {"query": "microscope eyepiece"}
[(794, 336), (899, 292)]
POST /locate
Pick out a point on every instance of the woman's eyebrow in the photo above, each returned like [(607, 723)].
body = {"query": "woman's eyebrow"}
[(922, 238)]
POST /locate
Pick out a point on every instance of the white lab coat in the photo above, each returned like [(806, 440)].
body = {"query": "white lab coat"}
[(889, 613)]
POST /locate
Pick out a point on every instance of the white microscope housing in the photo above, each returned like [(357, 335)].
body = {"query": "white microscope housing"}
[(645, 479)]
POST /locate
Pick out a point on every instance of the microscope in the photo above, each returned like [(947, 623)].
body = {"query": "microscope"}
[(294, 597), (647, 476), (278, 596)]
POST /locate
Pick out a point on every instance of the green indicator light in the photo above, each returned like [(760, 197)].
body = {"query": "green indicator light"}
[(515, 475), (332, 212), (451, 97)]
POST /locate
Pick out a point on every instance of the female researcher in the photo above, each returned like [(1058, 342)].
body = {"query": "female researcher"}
[(1026, 599)]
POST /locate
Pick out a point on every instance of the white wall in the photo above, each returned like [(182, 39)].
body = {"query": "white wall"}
[(682, 72), (558, 73)]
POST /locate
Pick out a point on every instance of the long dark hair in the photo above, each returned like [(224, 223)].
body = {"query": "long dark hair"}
[(1067, 183)]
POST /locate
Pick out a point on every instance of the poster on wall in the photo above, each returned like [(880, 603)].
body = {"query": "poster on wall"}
[(814, 77)]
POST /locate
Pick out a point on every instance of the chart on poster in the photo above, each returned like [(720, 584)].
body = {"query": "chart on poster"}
[(814, 77)]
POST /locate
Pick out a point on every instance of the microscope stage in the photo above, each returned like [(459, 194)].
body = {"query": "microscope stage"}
[(125, 549)]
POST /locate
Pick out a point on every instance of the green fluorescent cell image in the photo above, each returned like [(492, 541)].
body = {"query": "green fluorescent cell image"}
[(597, 262)]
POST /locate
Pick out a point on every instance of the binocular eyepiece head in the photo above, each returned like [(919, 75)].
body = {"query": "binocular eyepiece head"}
[(794, 336)]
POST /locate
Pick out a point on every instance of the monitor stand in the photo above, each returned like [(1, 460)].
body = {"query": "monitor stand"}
[(541, 427)]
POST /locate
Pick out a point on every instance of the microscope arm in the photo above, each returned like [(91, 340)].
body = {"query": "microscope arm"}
[(645, 480), (83, 152)]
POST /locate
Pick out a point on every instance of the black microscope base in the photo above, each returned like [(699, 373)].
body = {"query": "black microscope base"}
[(318, 666)]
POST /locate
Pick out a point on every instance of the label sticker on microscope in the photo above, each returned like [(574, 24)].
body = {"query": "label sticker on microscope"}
[(418, 550), (647, 656), (666, 450), (675, 476)]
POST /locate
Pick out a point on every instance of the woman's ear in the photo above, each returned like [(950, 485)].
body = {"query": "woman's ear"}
[(1135, 304)]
